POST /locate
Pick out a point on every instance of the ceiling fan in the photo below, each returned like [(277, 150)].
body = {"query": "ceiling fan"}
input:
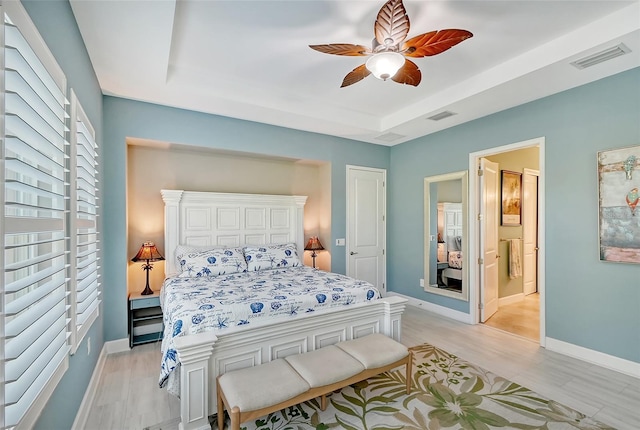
[(389, 50)]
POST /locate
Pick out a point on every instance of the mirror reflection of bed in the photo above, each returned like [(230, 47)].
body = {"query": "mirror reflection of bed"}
[(445, 226), (450, 246)]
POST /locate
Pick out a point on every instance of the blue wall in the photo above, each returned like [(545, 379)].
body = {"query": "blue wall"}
[(589, 303), (57, 26), (125, 118)]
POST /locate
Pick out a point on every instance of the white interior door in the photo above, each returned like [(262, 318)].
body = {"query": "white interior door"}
[(366, 229), (530, 231), (489, 213)]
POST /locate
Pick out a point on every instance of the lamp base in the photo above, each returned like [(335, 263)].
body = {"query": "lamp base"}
[(147, 291)]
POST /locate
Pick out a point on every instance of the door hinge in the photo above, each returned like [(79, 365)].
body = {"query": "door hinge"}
[(382, 217), (383, 184), (480, 261), (383, 252), (480, 217), (480, 306), (480, 172)]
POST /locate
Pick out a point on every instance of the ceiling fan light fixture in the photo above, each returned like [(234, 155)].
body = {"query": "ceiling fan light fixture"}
[(385, 65)]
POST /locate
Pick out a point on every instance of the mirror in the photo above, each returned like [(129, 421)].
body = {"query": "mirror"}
[(445, 244)]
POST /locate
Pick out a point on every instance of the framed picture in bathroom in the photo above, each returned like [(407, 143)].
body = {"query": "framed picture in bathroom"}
[(511, 208), (619, 204)]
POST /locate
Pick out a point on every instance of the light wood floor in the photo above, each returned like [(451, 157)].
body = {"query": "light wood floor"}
[(521, 318), (129, 398)]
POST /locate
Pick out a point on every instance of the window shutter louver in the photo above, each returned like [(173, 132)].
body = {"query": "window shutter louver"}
[(36, 210), (84, 192)]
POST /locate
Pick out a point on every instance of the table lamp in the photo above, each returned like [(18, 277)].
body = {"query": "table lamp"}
[(314, 245), (148, 253)]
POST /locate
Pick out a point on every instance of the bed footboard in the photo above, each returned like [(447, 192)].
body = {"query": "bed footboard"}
[(205, 356)]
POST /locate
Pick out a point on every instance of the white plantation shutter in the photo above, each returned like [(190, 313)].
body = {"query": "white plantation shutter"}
[(36, 209), (84, 192)]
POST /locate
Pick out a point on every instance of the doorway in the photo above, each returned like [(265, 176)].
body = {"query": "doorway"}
[(520, 288)]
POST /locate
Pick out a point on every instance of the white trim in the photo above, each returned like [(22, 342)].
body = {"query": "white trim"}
[(90, 393), (473, 228), (607, 361), (436, 309), (509, 300)]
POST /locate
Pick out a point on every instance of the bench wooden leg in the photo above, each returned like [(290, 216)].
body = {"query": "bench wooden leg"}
[(235, 418), (323, 402), (409, 374), (220, 409)]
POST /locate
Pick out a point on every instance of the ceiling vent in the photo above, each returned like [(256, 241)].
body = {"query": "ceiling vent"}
[(601, 56), (390, 137), (441, 115)]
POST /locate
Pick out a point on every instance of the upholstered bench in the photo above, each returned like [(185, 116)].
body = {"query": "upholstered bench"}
[(256, 391)]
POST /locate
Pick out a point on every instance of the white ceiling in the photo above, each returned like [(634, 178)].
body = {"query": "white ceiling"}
[(251, 60)]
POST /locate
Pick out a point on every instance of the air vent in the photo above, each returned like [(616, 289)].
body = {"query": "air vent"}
[(441, 115), (601, 56), (390, 137)]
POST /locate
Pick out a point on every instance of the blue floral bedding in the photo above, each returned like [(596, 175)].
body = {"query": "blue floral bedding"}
[(195, 305)]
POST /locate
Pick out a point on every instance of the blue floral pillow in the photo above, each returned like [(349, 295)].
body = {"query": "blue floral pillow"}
[(271, 256), (212, 262)]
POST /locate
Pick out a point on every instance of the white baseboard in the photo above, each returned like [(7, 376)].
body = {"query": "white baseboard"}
[(115, 346), (85, 407), (508, 300), (612, 362), (436, 309), (111, 347)]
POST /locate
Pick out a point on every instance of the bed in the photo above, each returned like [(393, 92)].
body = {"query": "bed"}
[(452, 274), (202, 225)]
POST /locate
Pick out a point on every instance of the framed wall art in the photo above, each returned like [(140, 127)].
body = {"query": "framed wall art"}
[(619, 204), (511, 212)]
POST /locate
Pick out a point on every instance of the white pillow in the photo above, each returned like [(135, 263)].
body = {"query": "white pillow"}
[(190, 249), (271, 256), (212, 262)]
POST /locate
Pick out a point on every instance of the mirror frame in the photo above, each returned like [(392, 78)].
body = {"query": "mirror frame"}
[(464, 177)]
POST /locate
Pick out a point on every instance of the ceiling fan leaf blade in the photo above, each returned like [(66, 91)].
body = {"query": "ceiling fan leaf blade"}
[(392, 24), (346, 49), (356, 75), (434, 42), (409, 74)]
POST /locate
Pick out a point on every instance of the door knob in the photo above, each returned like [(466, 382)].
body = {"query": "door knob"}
[(352, 253)]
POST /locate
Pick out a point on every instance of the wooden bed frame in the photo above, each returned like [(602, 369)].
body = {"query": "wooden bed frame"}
[(222, 219)]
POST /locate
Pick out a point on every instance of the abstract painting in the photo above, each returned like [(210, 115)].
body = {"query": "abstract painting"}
[(619, 204), (511, 198)]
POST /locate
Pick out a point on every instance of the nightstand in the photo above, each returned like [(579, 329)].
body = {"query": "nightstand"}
[(145, 319), (441, 267)]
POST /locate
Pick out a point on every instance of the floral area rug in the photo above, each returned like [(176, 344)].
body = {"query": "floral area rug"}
[(447, 392)]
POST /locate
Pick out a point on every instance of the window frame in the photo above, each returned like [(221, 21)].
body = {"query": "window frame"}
[(74, 335)]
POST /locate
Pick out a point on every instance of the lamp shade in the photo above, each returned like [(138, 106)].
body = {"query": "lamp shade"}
[(313, 244), (148, 252), (385, 65)]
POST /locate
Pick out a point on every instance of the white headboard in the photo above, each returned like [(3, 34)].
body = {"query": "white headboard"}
[(226, 219)]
